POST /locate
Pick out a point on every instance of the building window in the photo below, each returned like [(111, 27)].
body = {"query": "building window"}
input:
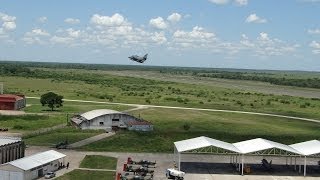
[(115, 120), (101, 123)]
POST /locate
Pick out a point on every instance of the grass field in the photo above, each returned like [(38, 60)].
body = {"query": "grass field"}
[(143, 91), (34, 106), (54, 137), (27, 123), (99, 162), (169, 127), (168, 123), (88, 175)]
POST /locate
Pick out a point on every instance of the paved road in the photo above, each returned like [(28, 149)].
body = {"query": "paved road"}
[(197, 167), (91, 140), (196, 109)]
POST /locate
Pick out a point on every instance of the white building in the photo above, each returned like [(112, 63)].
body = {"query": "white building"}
[(11, 148), (31, 167), (109, 119)]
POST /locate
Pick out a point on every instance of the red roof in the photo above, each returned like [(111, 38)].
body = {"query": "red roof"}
[(10, 98)]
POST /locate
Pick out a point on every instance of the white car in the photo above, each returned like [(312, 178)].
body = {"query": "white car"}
[(50, 175)]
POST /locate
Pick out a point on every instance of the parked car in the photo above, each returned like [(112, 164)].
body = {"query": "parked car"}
[(50, 175)]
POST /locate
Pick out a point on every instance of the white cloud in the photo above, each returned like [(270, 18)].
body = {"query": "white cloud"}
[(42, 19), (6, 18), (159, 38), (158, 23), (37, 32), (8, 22), (241, 2), (314, 31), (72, 21), (197, 38), (316, 47), (103, 21), (253, 18), (219, 2), (36, 36), (174, 17), (9, 26)]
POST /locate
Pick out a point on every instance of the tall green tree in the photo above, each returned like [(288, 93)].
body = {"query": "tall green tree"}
[(51, 99)]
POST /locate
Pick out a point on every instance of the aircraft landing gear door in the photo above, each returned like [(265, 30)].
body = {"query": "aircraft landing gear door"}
[(40, 172)]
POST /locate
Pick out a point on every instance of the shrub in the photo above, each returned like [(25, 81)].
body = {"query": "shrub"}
[(186, 126)]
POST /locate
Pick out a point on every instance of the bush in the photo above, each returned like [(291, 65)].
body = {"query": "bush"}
[(186, 126)]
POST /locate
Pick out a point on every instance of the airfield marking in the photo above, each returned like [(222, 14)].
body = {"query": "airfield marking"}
[(197, 109)]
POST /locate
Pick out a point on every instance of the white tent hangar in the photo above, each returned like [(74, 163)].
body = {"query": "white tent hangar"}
[(256, 146), (31, 167), (307, 148)]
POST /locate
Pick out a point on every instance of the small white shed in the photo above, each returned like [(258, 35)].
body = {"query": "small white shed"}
[(31, 167)]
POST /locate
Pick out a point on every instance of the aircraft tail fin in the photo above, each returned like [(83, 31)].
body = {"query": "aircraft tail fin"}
[(145, 56)]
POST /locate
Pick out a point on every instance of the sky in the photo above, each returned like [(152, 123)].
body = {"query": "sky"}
[(245, 34)]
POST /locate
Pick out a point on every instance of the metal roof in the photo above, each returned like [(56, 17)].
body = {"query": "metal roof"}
[(99, 112), (259, 144), (36, 160), (4, 140), (201, 142), (308, 147)]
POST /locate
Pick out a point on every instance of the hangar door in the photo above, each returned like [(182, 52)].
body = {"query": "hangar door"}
[(10, 175)]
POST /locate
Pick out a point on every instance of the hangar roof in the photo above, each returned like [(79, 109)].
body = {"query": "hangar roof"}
[(99, 112), (8, 140), (308, 148), (250, 146), (259, 144), (36, 160), (201, 142)]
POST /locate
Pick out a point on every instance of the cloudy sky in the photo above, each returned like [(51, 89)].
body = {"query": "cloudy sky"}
[(255, 34)]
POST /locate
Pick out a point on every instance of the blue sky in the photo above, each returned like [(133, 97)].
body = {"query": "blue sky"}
[(254, 34)]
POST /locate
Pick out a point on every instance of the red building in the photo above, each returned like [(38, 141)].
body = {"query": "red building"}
[(12, 102)]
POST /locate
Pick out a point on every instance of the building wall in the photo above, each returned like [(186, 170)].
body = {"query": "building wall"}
[(140, 127), (34, 173), (20, 104), (9, 172), (7, 105), (11, 152), (107, 121)]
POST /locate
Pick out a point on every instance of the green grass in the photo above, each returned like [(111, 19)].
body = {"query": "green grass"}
[(99, 162), (54, 137), (86, 175), (25, 123), (97, 85), (34, 106), (230, 127)]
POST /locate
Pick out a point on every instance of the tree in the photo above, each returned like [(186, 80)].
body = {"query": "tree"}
[(51, 99)]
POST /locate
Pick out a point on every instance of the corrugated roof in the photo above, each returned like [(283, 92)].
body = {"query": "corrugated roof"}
[(36, 160), (202, 142), (98, 112), (259, 144), (308, 148), (10, 97), (4, 140)]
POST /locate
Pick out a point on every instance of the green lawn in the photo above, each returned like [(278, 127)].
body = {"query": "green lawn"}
[(54, 137), (25, 123), (34, 106), (88, 175), (97, 85), (230, 127), (99, 162)]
